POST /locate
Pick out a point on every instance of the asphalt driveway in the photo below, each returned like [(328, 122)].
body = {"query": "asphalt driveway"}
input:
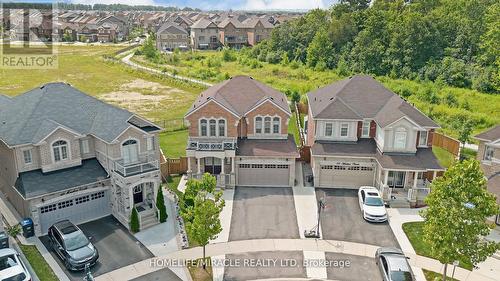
[(342, 220), (265, 265), (263, 212), (351, 267), (117, 247)]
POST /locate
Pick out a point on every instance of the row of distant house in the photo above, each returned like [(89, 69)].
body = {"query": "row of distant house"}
[(197, 29)]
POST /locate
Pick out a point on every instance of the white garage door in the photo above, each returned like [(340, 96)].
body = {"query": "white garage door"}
[(77, 209), (263, 174), (345, 176)]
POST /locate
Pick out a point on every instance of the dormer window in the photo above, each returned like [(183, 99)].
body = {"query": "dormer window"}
[(60, 150), (344, 130), (328, 129), (400, 138), (422, 139)]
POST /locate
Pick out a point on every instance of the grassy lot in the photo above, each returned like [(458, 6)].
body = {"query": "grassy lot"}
[(292, 128), (174, 143), (414, 231), (42, 269), (444, 157), (84, 67), (433, 276)]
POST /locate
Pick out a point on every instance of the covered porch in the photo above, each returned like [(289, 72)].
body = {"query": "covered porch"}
[(221, 167)]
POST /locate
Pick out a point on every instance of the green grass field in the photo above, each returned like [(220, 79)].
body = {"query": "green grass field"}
[(433, 276), (444, 157), (40, 266)]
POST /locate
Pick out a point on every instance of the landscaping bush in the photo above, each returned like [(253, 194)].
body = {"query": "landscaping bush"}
[(273, 57), (134, 221), (160, 204)]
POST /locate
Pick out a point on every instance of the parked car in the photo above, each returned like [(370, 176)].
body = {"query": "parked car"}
[(72, 246), (393, 265), (371, 204), (12, 267)]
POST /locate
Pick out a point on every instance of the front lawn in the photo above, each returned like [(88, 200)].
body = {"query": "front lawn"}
[(174, 143), (433, 276), (444, 157), (38, 263), (414, 232)]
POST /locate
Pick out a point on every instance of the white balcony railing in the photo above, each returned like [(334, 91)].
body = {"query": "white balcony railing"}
[(145, 164), (203, 145)]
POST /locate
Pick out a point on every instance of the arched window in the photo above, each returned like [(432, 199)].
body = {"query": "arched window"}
[(222, 128), (203, 127), (276, 125), (60, 150), (213, 128), (130, 151), (400, 138), (258, 125), (267, 125)]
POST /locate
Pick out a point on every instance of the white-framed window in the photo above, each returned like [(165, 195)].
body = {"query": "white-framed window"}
[(488, 153), (212, 127), (222, 127), (84, 144), (28, 159), (130, 151), (150, 143), (276, 125), (365, 130), (258, 125), (203, 127), (400, 138), (344, 130), (422, 139), (60, 150), (328, 129), (267, 125)]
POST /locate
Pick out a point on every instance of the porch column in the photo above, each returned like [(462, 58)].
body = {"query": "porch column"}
[(199, 165), (223, 160), (434, 175), (189, 165), (386, 176), (232, 164), (415, 179)]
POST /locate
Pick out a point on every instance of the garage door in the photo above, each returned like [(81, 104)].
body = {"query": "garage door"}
[(263, 174), (345, 176), (78, 209)]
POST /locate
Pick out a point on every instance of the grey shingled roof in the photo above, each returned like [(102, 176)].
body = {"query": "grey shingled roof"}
[(172, 28), (4, 100), (492, 134), (239, 94), (32, 116), (423, 159), (203, 23), (35, 183), (367, 98), (268, 147)]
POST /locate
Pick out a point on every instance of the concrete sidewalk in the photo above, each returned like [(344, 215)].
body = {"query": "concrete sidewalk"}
[(306, 205), (273, 245)]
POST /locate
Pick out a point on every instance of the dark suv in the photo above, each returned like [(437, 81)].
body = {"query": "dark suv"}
[(72, 246)]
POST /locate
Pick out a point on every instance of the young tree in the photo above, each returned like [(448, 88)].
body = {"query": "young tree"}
[(134, 221), (202, 220), (455, 221), (160, 204), (465, 132)]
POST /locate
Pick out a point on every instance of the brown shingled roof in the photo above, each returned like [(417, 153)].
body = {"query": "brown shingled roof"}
[(492, 134), (268, 147)]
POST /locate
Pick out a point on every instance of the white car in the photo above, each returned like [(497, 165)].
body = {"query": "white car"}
[(12, 267), (371, 204)]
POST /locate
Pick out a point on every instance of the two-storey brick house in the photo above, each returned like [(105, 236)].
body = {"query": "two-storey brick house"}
[(489, 156), (238, 131), (66, 155), (361, 133)]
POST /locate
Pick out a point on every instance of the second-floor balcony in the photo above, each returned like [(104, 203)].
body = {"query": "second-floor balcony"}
[(211, 144), (144, 164)]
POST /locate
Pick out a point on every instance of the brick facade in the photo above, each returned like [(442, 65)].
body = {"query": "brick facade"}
[(267, 109), (209, 110)]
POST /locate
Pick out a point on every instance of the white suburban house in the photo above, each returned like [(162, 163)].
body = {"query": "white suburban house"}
[(67, 155), (361, 133), (239, 133)]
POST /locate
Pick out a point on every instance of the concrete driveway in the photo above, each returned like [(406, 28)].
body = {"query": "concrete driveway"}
[(359, 269), (263, 212), (117, 247), (272, 265), (342, 220)]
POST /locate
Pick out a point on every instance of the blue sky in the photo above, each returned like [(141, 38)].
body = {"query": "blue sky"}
[(215, 4)]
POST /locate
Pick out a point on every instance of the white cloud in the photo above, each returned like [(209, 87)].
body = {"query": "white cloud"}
[(126, 2), (283, 4)]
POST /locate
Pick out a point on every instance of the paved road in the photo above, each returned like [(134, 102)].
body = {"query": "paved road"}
[(263, 212), (342, 220), (160, 275), (351, 267), (117, 247), (264, 265)]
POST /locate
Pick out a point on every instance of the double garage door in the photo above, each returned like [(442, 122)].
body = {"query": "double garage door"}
[(264, 174), (346, 176), (77, 209)]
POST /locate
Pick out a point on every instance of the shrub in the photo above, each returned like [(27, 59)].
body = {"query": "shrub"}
[(320, 66), (273, 57), (451, 100), (134, 221), (228, 55), (160, 204), (404, 93), (295, 64), (14, 230)]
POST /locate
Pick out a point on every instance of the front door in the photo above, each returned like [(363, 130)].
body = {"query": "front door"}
[(138, 194), (396, 179), (213, 165)]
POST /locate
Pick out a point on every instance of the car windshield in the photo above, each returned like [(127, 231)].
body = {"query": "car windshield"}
[(7, 261), (76, 240), (18, 277), (401, 276), (374, 201)]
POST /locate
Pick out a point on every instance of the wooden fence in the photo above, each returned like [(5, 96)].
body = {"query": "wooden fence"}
[(173, 166), (305, 154), (447, 143)]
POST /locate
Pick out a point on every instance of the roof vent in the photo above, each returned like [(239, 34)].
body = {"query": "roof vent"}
[(251, 77)]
